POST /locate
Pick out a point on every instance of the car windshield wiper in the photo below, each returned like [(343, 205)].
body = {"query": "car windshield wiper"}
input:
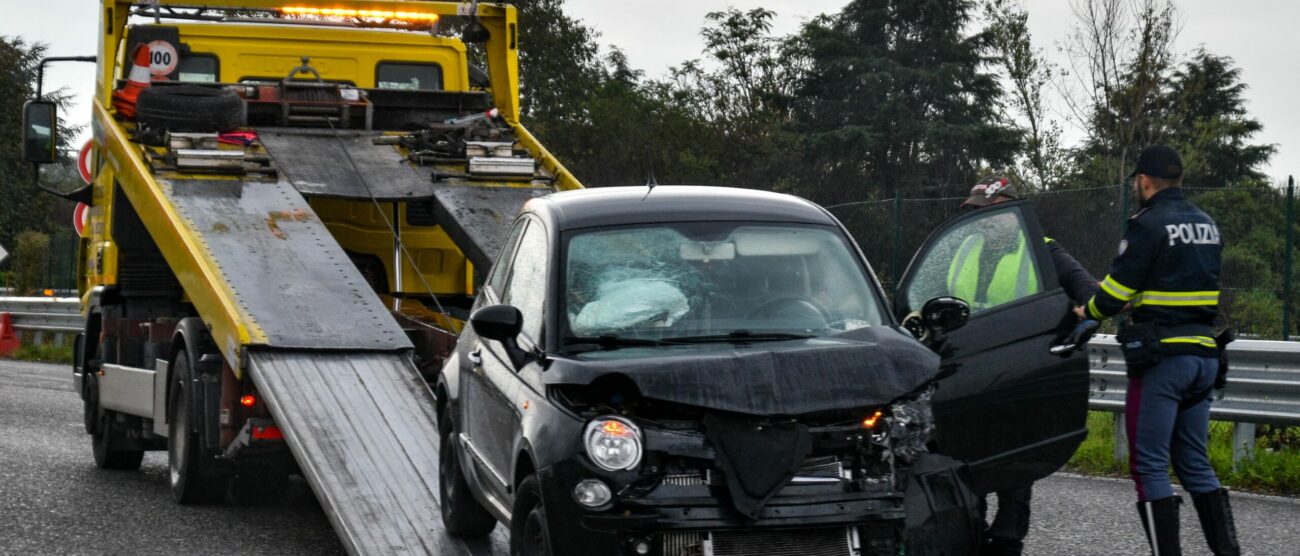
[(611, 341), (740, 336)]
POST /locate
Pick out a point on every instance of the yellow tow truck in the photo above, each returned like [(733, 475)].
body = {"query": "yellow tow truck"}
[(290, 207)]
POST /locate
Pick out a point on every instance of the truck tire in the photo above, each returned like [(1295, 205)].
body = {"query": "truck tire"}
[(189, 108), (529, 533), (108, 454), (461, 513), (192, 476)]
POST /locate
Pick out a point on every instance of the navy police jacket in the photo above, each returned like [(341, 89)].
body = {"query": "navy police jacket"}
[(1167, 271)]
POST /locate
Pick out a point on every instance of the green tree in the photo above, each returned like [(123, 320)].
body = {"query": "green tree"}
[(1120, 52), (22, 207), (1044, 162), (896, 99), (31, 263), (559, 66), (1209, 124)]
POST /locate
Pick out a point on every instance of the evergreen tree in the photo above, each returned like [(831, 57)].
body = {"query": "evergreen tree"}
[(1210, 126), (22, 207), (896, 99)]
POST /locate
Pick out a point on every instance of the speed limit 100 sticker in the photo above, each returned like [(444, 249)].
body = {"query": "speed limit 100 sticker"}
[(162, 58)]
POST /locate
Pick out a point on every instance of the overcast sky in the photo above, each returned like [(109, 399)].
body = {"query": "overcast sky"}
[(1259, 35)]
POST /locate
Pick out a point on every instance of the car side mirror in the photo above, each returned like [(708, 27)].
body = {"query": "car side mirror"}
[(503, 324), (40, 131), (497, 322), (945, 314)]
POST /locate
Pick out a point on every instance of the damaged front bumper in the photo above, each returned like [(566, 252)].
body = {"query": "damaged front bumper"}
[(693, 514)]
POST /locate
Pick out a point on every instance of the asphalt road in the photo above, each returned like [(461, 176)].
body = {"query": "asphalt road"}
[(53, 500)]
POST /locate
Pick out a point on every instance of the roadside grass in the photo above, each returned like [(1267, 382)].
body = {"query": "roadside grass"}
[(1275, 468), (44, 353)]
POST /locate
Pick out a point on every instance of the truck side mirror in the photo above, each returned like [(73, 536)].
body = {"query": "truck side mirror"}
[(40, 131)]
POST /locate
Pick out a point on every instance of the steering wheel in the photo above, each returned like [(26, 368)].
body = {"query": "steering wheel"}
[(801, 312)]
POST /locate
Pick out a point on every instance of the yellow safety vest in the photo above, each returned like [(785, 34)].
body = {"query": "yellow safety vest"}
[(1014, 276)]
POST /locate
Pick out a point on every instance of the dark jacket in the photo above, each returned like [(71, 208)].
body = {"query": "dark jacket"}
[(1078, 283), (1168, 271)]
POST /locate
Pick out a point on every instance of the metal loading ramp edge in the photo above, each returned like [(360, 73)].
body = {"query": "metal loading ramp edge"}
[(362, 427)]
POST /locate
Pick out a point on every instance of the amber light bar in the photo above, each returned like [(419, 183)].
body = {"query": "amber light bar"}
[(349, 12)]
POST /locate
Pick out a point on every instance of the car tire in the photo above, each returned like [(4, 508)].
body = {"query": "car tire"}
[(189, 108), (529, 533), (192, 477), (462, 515), (104, 444)]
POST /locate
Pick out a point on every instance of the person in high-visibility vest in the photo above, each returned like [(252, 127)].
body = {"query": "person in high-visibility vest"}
[(987, 271)]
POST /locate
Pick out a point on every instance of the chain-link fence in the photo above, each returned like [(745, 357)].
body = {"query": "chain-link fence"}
[(1257, 276), (55, 269)]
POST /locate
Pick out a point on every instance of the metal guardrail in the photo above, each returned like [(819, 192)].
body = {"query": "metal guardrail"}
[(44, 314), (1263, 388)]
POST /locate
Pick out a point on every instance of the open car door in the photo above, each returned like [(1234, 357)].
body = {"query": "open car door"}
[(1012, 410)]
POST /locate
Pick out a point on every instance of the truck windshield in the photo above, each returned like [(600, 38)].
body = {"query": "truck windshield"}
[(714, 281)]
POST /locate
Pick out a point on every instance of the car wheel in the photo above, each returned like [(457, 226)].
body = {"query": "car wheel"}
[(461, 513), (107, 454), (529, 535), (192, 479)]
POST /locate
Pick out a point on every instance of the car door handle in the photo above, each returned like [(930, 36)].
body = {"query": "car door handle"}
[(476, 358)]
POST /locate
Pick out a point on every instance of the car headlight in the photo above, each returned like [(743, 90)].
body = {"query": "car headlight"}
[(613, 443)]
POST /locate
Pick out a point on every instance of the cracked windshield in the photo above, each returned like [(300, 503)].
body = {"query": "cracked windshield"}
[(696, 280)]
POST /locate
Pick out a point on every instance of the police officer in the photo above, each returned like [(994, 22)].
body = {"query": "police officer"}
[(987, 283), (1167, 273)]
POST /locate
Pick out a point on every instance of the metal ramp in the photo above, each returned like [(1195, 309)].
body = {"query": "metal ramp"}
[(330, 362), (362, 428)]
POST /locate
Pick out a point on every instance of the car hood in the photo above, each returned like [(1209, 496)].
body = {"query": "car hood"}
[(864, 367)]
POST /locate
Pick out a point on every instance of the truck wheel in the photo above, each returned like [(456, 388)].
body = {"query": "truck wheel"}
[(529, 535), (193, 481), (103, 443), (190, 108), (461, 513), (90, 402)]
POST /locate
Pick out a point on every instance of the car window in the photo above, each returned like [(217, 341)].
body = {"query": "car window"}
[(987, 261), (416, 77), (526, 288), (197, 68), (702, 279), (501, 268)]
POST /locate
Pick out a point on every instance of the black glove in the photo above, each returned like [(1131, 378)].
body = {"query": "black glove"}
[(1077, 338), (1222, 340)]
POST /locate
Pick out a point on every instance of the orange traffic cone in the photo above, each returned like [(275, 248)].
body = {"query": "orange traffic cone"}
[(8, 337), (124, 98)]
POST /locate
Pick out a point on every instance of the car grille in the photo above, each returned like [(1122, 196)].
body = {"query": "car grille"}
[(818, 469), (832, 541)]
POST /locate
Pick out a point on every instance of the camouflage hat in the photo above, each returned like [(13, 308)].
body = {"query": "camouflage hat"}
[(991, 190)]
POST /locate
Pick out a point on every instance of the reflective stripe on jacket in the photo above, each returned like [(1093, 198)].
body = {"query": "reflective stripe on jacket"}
[(1167, 272)]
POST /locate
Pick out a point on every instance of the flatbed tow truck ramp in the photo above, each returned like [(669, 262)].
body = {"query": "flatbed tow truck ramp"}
[(290, 211)]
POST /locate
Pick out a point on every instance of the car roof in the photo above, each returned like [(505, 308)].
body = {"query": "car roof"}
[(615, 206)]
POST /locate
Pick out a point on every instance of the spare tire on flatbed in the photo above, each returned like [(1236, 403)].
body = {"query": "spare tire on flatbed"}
[(189, 108)]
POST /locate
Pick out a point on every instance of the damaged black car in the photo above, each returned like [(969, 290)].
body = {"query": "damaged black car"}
[(696, 370)]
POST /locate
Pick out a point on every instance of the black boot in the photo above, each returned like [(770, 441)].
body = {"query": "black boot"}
[(1160, 521), (1216, 521)]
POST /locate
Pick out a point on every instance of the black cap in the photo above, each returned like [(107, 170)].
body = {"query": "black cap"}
[(1159, 161), (991, 190)]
